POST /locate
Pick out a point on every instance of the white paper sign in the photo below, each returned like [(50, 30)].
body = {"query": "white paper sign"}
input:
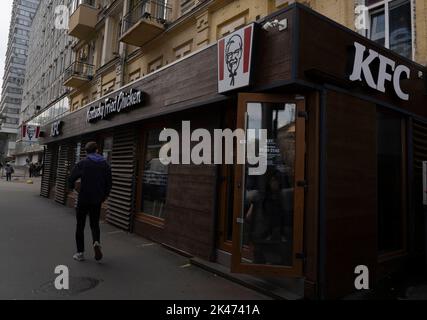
[(235, 59)]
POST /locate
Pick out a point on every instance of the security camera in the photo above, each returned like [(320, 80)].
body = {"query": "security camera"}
[(268, 25), (282, 25)]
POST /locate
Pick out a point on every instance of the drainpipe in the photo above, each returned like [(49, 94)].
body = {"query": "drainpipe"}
[(123, 46)]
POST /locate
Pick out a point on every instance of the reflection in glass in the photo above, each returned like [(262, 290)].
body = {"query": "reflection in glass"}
[(378, 27), (269, 199), (155, 178), (400, 28)]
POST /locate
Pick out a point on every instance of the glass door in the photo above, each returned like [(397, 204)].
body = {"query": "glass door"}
[(269, 208)]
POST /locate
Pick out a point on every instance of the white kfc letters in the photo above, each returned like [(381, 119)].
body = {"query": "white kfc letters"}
[(362, 65)]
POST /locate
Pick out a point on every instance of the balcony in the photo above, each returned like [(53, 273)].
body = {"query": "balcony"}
[(144, 22), (83, 20), (78, 74)]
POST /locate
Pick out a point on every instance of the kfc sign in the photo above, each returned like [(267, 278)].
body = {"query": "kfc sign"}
[(235, 59), (388, 70), (123, 102), (30, 133), (55, 130)]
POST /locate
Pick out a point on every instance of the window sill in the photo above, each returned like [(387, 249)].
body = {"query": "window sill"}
[(153, 221)]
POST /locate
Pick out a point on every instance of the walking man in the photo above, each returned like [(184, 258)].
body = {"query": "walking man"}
[(9, 171), (94, 189)]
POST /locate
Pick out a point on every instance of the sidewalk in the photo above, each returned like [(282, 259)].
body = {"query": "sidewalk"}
[(37, 235)]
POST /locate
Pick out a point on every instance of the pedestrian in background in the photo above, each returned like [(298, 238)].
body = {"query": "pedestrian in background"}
[(9, 171), (94, 188), (32, 169)]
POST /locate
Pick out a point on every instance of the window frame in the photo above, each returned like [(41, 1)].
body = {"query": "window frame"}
[(374, 8), (140, 215)]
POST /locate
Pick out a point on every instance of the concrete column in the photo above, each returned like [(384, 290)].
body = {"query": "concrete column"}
[(108, 40)]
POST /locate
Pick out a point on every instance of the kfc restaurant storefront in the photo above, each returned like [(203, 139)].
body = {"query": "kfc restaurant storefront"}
[(346, 128)]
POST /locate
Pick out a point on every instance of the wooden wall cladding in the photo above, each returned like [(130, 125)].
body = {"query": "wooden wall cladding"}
[(49, 166), (65, 163), (191, 197), (123, 164), (190, 211), (420, 154), (350, 191)]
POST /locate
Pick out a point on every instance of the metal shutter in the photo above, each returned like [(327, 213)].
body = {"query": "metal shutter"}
[(123, 165), (48, 168), (65, 156)]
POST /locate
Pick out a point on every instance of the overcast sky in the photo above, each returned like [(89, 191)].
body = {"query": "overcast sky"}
[(5, 13)]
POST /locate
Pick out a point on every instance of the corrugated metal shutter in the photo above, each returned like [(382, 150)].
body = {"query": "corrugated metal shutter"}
[(48, 167), (123, 165), (65, 156)]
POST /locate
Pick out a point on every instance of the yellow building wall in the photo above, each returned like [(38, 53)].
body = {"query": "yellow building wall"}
[(421, 31)]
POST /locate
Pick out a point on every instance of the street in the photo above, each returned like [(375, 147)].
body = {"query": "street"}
[(37, 235)]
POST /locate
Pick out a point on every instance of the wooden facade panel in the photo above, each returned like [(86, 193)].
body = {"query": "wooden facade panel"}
[(350, 191), (417, 228), (193, 192)]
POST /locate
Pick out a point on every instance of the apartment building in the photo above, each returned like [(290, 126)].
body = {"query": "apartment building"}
[(343, 108), (23, 12), (45, 98)]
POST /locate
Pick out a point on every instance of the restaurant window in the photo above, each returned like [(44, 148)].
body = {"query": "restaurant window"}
[(391, 183), (390, 25), (155, 177)]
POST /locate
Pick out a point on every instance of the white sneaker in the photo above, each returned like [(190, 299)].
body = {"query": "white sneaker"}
[(80, 257)]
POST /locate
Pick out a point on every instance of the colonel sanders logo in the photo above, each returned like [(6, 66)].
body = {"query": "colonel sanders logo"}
[(234, 59), (31, 132), (233, 55)]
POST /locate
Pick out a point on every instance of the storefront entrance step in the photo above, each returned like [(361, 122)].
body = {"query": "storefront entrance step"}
[(253, 283)]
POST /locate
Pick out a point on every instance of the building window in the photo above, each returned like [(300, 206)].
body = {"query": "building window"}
[(155, 65), (391, 25), (391, 183), (155, 177), (135, 75), (183, 50)]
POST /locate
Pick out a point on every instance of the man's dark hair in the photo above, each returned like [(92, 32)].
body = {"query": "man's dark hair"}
[(91, 147)]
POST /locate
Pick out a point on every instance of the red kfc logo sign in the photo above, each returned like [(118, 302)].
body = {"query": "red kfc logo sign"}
[(235, 59), (30, 133)]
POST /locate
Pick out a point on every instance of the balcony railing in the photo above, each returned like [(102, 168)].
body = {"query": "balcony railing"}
[(78, 74), (145, 21)]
